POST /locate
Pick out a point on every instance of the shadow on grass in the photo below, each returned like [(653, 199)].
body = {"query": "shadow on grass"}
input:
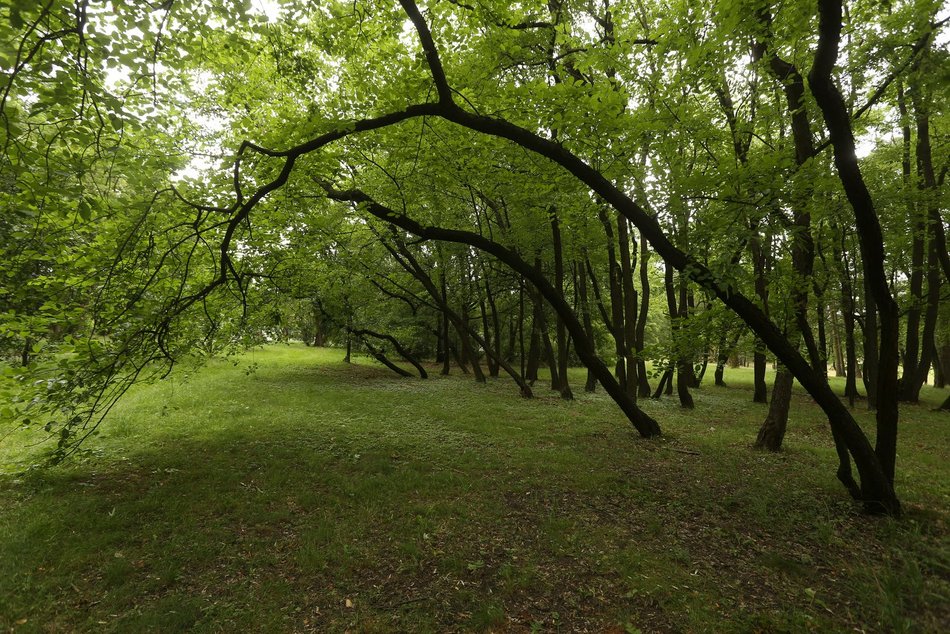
[(308, 498)]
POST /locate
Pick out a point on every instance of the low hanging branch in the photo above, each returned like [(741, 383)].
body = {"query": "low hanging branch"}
[(381, 357), (644, 424), (398, 346), (408, 262)]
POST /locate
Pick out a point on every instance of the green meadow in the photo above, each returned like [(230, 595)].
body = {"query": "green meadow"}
[(287, 491)]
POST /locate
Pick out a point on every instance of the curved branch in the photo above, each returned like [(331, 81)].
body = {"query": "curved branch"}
[(643, 423)]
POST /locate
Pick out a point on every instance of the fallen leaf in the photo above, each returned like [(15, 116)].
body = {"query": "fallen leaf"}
[(349, 603)]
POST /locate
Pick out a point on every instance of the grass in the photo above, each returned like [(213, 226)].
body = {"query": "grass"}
[(292, 492)]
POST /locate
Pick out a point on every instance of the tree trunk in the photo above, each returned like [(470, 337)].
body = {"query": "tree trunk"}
[(915, 377), (836, 345), (563, 344), (682, 377), (349, 338), (580, 282), (759, 361), (403, 352), (848, 312), (629, 306), (468, 352), (838, 122), (616, 324), (444, 338), (941, 365), (643, 383), (870, 367), (772, 431), (489, 338), (534, 344)]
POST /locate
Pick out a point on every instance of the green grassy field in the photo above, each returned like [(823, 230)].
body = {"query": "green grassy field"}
[(293, 492)]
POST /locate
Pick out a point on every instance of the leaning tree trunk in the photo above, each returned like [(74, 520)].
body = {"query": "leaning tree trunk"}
[(403, 352)]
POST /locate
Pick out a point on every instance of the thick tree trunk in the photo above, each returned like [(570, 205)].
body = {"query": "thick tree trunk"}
[(772, 431)]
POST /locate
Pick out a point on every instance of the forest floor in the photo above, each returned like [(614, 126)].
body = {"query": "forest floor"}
[(288, 491)]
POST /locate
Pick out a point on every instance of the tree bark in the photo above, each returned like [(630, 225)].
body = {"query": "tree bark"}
[(772, 431), (616, 322), (760, 268), (871, 239)]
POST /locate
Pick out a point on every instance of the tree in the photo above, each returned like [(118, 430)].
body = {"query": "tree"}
[(514, 133)]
